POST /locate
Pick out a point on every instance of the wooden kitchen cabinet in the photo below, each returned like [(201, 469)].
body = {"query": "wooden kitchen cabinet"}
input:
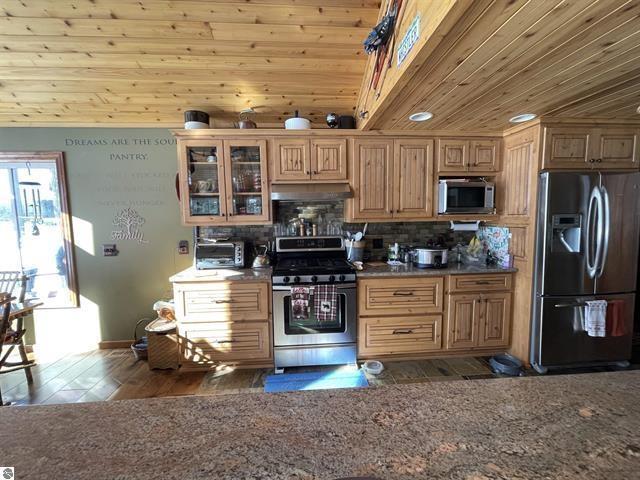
[(453, 155), (408, 317), (400, 296), (459, 155), (616, 149), (290, 160), (223, 182), (372, 180), (480, 319), (463, 319), (413, 175), (222, 322), (329, 159), (222, 301), (495, 320), (399, 335), (595, 148), (392, 180), (204, 345), (304, 160)]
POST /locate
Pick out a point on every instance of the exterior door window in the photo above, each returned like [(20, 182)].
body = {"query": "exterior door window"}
[(36, 226)]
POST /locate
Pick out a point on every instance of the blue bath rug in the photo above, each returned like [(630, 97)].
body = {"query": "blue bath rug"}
[(291, 382)]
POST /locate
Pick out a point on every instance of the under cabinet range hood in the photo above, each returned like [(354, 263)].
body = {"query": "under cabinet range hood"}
[(310, 191)]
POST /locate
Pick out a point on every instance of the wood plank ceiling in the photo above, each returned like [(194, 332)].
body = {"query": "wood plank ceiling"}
[(558, 58), (143, 62)]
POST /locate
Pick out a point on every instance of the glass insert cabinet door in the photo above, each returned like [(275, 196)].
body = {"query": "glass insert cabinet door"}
[(202, 182), (223, 181), (246, 188)]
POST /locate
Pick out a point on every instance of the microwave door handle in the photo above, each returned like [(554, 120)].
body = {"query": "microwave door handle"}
[(606, 230)]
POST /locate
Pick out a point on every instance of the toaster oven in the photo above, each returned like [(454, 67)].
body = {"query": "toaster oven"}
[(219, 254)]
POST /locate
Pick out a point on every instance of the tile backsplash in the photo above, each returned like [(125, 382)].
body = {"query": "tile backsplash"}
[(417, 233)]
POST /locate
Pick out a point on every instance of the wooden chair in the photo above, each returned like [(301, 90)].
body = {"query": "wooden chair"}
[(9, 280), (12, 336)]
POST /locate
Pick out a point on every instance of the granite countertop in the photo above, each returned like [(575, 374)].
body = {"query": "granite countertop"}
[(222, 275), (565, 426), (380, 269)]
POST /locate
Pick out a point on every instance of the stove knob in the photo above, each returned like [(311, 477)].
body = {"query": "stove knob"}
[(341, 278), (332, 278), (296, 279), (285, 280), (314, 279)]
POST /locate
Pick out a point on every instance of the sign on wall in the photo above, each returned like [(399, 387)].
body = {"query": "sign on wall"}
[(409, 40)]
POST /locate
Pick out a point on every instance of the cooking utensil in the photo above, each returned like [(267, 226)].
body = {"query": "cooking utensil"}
[(358, 236), (364, 230)]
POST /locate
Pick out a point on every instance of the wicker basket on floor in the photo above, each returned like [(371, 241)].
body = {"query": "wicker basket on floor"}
[(163, 350)]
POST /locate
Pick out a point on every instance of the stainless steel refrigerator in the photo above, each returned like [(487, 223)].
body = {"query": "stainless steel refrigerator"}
[(587, 237)]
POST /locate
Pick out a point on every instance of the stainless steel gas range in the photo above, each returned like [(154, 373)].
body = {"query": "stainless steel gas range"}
[(305, 264)]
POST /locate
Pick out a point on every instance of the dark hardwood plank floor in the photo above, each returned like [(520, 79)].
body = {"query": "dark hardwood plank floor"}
[(102, 375)]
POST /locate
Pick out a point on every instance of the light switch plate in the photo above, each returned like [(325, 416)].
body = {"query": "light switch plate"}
[(109, 250)]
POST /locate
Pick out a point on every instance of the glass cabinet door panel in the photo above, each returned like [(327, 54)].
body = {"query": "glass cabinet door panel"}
[(204, 180), (246, 188)]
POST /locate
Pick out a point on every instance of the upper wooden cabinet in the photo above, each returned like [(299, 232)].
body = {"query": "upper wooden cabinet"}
[(392, 180), (223, 181), (300, 160), (329, 159), (476, 156), (290, 160), (596, 148), (413, 179), (372, 180)]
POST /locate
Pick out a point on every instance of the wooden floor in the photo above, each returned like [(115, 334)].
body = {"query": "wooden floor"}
[(102, 375)]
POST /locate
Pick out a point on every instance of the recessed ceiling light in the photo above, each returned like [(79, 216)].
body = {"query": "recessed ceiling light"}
[(638, 109), (523, 117), (420, 116)]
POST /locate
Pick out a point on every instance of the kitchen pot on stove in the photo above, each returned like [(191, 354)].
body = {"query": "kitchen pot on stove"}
[(430, 257)]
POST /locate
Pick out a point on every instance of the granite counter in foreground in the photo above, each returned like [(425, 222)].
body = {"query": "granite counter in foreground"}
[(557, 427), (223, 275), (384, 270)]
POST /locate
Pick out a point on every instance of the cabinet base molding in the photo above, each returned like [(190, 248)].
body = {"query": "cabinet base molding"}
[(113, 344), (192, 367), (478, 352)]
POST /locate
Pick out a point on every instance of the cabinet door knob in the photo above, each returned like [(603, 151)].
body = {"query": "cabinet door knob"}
[(599, 160), (592, 160)]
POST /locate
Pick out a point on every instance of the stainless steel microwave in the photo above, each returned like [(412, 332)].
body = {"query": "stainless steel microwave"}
[(219, 254), (461, 195)]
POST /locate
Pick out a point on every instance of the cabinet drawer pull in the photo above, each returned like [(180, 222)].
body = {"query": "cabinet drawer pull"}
[(402, 331), (402, 293), (482, 282), (223, 301), (224, 341)]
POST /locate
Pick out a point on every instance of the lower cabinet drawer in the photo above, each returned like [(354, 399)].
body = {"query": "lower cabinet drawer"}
[(399, 335), (486, 282), (400, 296), (206, 344), (223, 302)]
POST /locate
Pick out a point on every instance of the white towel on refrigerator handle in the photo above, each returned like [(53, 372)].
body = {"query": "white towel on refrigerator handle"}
[(595, 317)]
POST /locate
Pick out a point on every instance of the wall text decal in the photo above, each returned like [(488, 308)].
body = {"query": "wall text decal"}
[(129, 222)]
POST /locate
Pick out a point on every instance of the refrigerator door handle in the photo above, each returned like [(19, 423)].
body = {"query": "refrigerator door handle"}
[(595, 208), (606, 230)]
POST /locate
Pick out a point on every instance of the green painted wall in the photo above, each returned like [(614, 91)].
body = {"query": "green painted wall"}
[(108, 170)]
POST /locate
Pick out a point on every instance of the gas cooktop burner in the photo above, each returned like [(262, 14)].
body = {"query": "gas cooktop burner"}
[(310, 260)]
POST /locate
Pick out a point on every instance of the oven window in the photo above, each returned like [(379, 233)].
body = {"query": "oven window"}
[(311, 326), (465, 197)]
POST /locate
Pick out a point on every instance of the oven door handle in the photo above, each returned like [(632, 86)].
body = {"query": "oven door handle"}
[(342, 286)]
